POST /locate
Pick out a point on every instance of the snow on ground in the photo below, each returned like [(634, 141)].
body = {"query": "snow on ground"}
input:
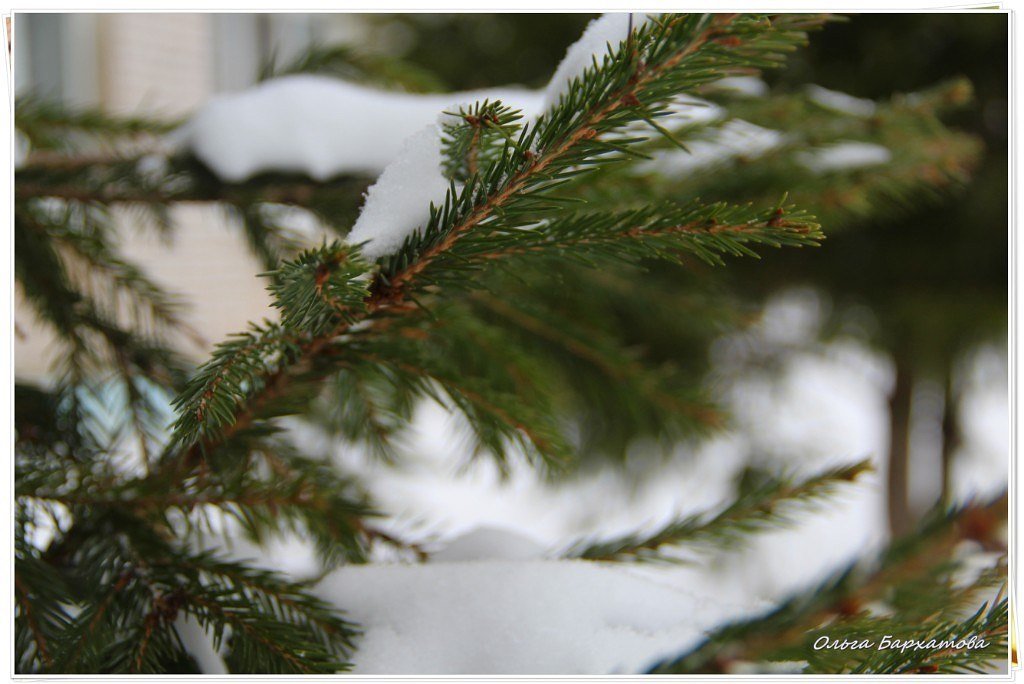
[(496, 616), (981, 463), (320, 126)]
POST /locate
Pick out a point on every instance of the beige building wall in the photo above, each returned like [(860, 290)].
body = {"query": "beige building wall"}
[(162, 64)]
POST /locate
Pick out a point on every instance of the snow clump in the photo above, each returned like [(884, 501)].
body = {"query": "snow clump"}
[(844, 156), (488, 614), (841, 102), (396, 205), (319, 125)]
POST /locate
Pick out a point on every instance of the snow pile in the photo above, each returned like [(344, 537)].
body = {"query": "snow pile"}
[(750, 86), (322, 126), (498, 616), (841, 102), (397, 204), (490, 542), (318, 125), (844, 156), (737, 138), (601, 36)]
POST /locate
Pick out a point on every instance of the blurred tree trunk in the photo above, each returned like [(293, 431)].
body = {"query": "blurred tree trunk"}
[(899, 447), (951, 437)]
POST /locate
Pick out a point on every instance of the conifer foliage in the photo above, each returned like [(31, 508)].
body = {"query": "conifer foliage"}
[(110, 558)]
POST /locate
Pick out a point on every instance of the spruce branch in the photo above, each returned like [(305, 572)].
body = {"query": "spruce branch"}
[(223, 387), (607, 355), (321, 289), (275, 625), (768, 505), (54, 128), (112, 180), (664, 232), (923, 560), (928, 160), (496, 418), (473, 137), (679, 53)]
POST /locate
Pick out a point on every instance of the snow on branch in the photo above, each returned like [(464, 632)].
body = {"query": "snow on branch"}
[(318, 125)]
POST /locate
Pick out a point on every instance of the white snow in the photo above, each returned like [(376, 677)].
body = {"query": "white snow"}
[(601, 36), (22, 147), (323, 126), (841, 102), (398, 203), (490, 542), (514, 617), (199, 644), (318, 125), (751, 86), (153, 167), (843, 156), (688, 110), (736, 138), (298, 221)]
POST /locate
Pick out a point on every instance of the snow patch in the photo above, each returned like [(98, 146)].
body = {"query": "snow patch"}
[(397, 204), (488, 542), (844, 156), (513, 617), (689, 110), (751, 86), (841, 102), (294, 219), (602, 36), (737, 138), (22, 147), (318, 125), (198, 643)]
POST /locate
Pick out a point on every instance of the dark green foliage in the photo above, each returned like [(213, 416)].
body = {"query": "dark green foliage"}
[(237, 371), (320, 289), (128, 627), (489, 48), (49, 125), (474, 137), (664, 232)]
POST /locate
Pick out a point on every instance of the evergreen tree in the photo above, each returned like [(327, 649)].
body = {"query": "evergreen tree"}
[(518, 301)]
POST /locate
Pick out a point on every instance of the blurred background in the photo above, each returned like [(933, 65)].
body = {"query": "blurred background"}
[(895, 326)]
